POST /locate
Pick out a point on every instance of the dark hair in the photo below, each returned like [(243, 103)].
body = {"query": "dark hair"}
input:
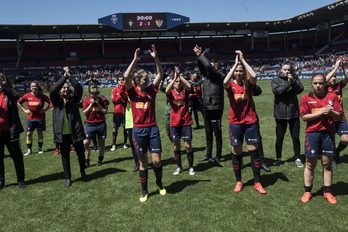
[(216, 64), (311, 93), (38, 86), (292, 69)]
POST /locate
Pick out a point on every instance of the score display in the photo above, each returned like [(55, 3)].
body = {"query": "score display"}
[(155, 21), (143, 21)]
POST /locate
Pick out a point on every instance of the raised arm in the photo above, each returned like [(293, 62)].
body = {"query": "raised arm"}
[(248, 68), (172, 80), (159, 69), (230, 73), (334, 70), (130, 69)]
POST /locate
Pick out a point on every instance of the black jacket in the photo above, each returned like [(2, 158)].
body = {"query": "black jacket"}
[(14, 122), (285, 97), (71, 109), (213, 89)]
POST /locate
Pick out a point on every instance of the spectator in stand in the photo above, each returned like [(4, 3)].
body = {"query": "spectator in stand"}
[(177, 93), (67, 123), (119, 98), (213, 102), (10, 129), (319, 108), (95, 109), (195, 98), (243, 120), (36, 112), (285, 88), (341, 126), (146, 135)]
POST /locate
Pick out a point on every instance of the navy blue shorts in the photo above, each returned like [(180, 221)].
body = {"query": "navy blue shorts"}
[(319, 143), (39, 125), (93, 129), (184, 132), (341, 127), (236, 133), (146, 139), (118, 121)]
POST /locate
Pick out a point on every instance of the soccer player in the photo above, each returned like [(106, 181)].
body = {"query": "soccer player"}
[(177, 92), (319, 108), (285, 88), (341, 126), (119, 98), (35, 101), (242, 119), (146, 135), (95, 109)]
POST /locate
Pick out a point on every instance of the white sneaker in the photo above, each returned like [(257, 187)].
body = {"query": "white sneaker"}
[(192, 172), (125, 145), (299, 163), (28, 152), (113, 148), (40, 151), (177, 171)]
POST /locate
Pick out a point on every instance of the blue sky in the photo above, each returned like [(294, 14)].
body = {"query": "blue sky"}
[(88, 11)]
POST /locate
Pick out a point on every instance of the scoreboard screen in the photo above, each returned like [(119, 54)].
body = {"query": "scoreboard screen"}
[(144, 21)]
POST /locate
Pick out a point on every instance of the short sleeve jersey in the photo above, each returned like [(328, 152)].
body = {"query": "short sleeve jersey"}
[(95, 115), (179, 113), (143, 106), (310, 105), (337, 89), (242, 109), (35, 104)]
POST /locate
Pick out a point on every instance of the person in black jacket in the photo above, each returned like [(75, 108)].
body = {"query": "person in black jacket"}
[(286, 87), (67, 123), (10, 129), (213, 102)]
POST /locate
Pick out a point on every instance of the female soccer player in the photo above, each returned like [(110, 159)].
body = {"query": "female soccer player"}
[(146, 135), (180, 119), (319, 108), (119, 99), (341, 126), (95, 109), (242, 119), (35, 101)]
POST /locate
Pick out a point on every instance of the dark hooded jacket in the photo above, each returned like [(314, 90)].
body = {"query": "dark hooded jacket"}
[(70, 108), (285, 97), (14, 122), (213, 89)]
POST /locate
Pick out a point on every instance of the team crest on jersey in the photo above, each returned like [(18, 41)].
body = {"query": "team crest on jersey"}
[(159, 22), (114, 19)]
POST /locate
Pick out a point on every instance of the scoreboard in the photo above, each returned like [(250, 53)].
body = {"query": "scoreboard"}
[(143, 21)]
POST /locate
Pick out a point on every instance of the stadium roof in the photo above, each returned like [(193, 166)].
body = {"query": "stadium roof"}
[(320, 18)]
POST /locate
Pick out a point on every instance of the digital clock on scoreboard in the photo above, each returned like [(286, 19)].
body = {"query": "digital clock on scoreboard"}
[(144, 21)]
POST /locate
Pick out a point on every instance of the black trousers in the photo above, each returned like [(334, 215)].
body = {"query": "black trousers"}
[(65, 148), (14, 148), (212, 125), (281, 126)]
